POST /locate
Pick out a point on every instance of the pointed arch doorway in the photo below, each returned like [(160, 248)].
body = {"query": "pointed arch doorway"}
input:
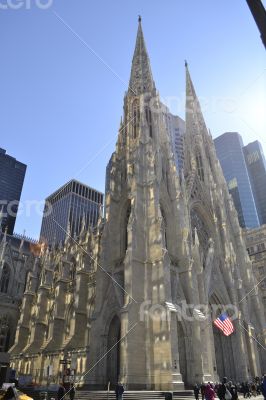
[(182, 351), (223, 345), (113, 348)]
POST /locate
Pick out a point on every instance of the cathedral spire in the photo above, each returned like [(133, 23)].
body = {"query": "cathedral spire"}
[(194, 118), (141, 79), (196, 133)]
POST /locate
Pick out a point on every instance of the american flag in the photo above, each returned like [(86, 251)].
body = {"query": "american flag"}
[(224, 324)]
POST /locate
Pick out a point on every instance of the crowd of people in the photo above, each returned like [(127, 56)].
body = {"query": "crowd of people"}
[(228, 390)]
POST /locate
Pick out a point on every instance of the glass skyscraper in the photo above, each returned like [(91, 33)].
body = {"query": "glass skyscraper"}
[(12, 174), (229, 148), (176, 130), (67, 208), (256, 164)]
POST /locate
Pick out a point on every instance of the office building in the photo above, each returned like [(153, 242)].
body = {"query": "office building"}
[(256, 165), (68, 209), (12, 173), (229, 148), (176, 130)]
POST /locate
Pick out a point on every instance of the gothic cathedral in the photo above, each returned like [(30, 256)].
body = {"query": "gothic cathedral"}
[(101, 301)]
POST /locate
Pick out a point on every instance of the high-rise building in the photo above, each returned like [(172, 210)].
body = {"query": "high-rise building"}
[(12, 174), (256, 165), (69, 209), (229, 148), (176, 130)]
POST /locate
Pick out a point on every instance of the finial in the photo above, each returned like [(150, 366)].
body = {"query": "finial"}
[(186, 64), (139, 18)]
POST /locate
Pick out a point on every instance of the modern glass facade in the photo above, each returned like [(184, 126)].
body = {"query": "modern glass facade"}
[(229, 148), (176, 129), (256, 165), (69, 206), (12, 174)]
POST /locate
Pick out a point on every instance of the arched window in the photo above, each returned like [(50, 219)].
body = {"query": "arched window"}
[(5, 279), (70, 317), (198, 222), (163, 229), (149, 120), (135, 118), (200, 166), (4, 333), (126, 223)]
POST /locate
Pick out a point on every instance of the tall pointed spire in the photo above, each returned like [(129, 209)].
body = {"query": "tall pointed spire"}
[(141, 80), (196, 131), (194, 119)]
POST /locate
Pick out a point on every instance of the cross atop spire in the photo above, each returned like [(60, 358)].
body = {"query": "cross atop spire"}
[(141, 79)]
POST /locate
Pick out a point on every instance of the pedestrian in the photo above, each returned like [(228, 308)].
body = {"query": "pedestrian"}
[(222, 392), (61, 392), (233, 390), (209, 392), (253, 389), (72, 392), (196, 391), (202, 391), (263, 387), (9, 394), (119, 390)]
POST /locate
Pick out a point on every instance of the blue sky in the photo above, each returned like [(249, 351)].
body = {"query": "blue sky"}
[(61, 105)]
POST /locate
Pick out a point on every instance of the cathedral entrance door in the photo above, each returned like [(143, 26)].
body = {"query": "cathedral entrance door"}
[(224, 355), (182, 351), (219, 354), (113, 358)]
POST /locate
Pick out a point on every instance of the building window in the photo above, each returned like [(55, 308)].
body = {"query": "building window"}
[(200, 167), (4, 333), (149, 120), (128, 212), (251, 250), (5, 279), (136, 118), (261, 247), (261, 271), (163, 228)]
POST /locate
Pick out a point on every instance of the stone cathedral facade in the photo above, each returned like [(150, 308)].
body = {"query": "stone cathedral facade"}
[(101, 302)]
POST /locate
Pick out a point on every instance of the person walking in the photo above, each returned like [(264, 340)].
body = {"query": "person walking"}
[(119, 390), (61, 392), (263, 387), (209, 392), (202, 391), (9, 394), (196, 391), (72, 392), (222, 390), (233, 390)]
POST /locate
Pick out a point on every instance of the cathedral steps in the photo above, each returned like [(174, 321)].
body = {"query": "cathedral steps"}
[(133, 395), (128, 395)]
